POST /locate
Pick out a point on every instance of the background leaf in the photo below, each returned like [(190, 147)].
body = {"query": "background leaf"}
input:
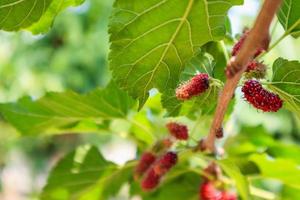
[(70, 178), (56, 110), (233, 172), (46, 21), (152, 40), (289, 16), (286, 83), (16, 15), (284, 170)]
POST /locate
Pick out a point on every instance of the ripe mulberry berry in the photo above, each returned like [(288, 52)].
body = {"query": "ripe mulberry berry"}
[(150, 181), (228, 196), (209, 192), (179, 131), (165, 163), (260, 98), (255, 69), (237, 47), (147, 159), (195, 86)]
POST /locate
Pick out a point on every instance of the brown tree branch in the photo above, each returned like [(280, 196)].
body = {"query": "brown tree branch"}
[(258, 37)]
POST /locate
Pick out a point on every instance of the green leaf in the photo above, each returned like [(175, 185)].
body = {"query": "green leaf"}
[(113, 182), (286, 83), (21, 14), (234, 172), (258, 139), (152, 40), (70, 178), (46, 21), (284, 170), (204, 103), (142, 128), (218, 51), (110, 183), (290, 193), (56, 110), (289, 17)]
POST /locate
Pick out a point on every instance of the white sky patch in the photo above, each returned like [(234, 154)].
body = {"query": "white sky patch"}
[(249, 9)]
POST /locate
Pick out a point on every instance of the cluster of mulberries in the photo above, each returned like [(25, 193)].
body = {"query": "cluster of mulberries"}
[(208, 189), (260, 98), (255, 69), (158, 170), (178, 131), (194, 87), (154, 164)]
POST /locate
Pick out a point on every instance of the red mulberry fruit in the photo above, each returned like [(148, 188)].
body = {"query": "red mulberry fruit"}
[(228, 196), (147, 159), (209, 192), (260, 98), (195, 86), (165, 163), (179, 131), (255, 69), (150, 181), (237, 47)]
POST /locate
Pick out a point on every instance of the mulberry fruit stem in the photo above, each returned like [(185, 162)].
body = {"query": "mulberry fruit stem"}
[(237, 65)]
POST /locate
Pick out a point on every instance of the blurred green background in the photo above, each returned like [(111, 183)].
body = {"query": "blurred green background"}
[(73, 56)]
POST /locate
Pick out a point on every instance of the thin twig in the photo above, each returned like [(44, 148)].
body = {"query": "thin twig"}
[(258, 37)]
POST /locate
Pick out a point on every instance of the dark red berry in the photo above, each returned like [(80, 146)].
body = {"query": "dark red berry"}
[(209, 192), (255, 69), (147, 159), (195, 86), (150, 181), (228, 196), (237, 47), (165, 163), (179, 131), (220, 133), (260, 98)]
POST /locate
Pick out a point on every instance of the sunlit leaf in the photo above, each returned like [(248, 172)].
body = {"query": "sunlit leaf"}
[(21, 14), (286, 82), (283, 170), (69, 178), (234, 172), (56, 110), (289, 16), (152, 40)]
